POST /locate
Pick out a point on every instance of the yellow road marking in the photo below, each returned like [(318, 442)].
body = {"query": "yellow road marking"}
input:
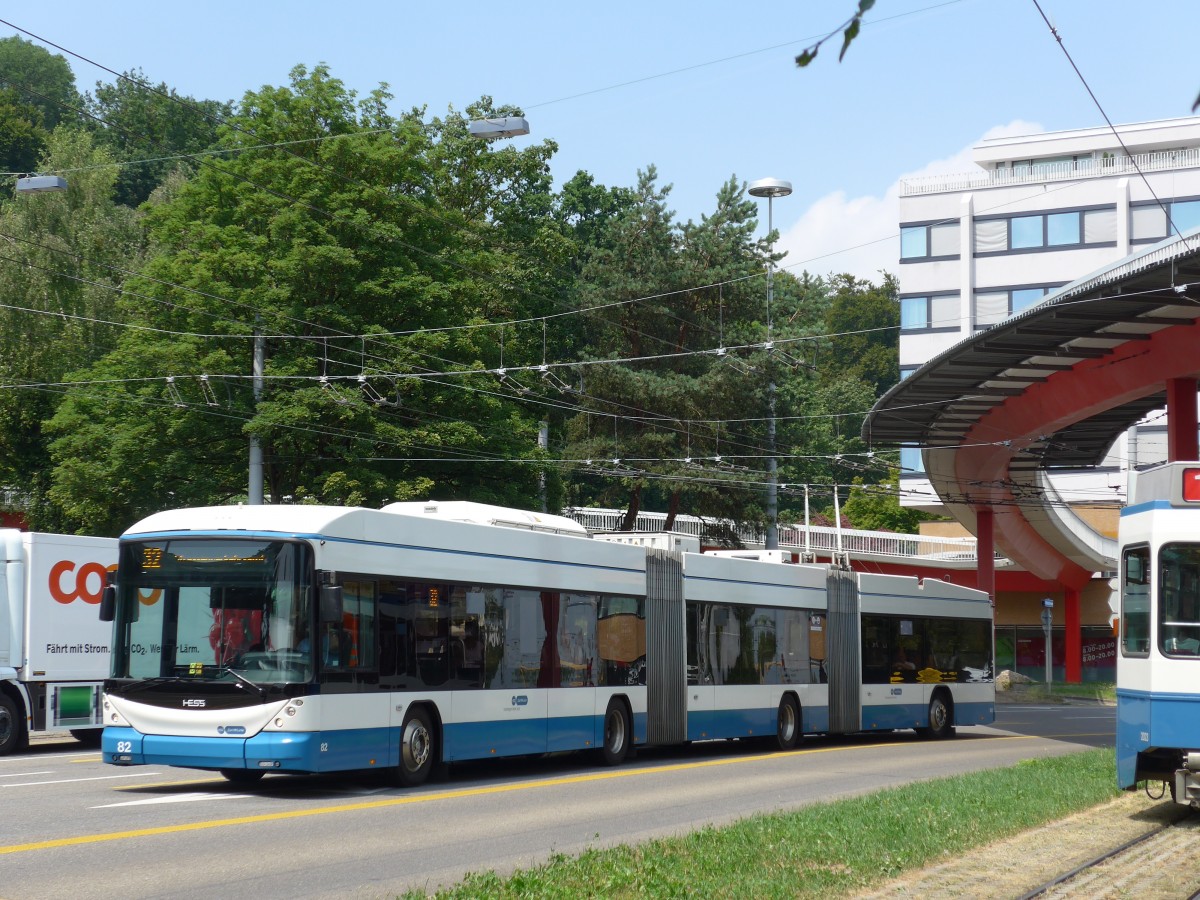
[(439, 795)]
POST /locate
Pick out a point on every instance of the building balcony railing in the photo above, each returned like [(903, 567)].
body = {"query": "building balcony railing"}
[(821, 541), (1039, 173)]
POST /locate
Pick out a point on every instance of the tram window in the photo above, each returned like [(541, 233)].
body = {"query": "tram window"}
[(1179, 600), (1135, 601)]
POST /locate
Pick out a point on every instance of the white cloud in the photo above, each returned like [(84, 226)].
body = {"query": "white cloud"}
[(860, 235)]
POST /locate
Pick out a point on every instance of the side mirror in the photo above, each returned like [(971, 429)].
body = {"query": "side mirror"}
[(331, 603), (108, 603)]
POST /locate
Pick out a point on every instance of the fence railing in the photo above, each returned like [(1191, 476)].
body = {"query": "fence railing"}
[(822, 540), (1037, 174)]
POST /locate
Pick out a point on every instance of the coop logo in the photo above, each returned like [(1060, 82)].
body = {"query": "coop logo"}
[(189, 703), (68, 584), (520, 700)]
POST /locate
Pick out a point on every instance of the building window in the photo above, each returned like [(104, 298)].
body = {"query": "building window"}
[(905, 371), (1046, 231), (937, 240), (1148, 222), (911, 462), (994, 306), (929, 312)]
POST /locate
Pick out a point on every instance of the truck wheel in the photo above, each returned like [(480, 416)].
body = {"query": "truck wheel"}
[(12, 725)]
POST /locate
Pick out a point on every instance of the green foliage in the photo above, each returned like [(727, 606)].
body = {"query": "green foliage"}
[(865, 320), (140, 121), (827, 849), (66, 259), (877, 508), (22, 136), (42, 79), (368, 227), (372, 251), (849, 30), (669, 295)]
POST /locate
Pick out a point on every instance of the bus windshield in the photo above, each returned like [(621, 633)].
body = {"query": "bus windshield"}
[(215, 609)]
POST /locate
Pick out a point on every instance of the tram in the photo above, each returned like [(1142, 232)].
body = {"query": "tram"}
[(1158, 664)]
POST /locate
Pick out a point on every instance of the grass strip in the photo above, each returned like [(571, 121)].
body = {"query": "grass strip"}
[(826, 849)]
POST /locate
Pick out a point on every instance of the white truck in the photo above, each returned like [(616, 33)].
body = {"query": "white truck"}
[(53, 647)]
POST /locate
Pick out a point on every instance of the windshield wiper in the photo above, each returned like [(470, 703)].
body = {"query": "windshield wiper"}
[(262, 691)]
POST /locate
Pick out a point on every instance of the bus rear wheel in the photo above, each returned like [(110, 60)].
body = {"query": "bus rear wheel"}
[(417, 749), (788, 732), (941, 718), (616, 734)]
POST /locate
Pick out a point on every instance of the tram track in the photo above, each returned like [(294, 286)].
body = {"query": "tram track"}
[(1157, 863), (1135, 846)]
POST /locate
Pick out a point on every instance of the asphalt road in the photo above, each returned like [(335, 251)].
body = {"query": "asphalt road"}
[(72, 827)]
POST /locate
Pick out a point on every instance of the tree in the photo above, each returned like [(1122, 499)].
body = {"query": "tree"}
[(22, 137), (148, 127), (42, 79), (865, 323), (65, 262), (877, 508), (360, 251), (667, 297)]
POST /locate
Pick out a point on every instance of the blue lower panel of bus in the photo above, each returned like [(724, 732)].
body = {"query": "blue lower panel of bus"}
[(481, 740), (897, 715), (916, 715), (731, 723), (270, 751)]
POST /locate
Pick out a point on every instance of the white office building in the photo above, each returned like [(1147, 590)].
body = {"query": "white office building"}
[(1041, 211)]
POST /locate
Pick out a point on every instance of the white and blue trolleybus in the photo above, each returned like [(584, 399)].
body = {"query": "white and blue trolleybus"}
[(256, 639), (1158, 667)]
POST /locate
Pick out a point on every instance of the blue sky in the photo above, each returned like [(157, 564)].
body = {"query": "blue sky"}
[(702, 90)]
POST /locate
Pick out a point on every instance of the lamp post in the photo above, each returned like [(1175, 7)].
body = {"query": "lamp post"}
[(771, 188)]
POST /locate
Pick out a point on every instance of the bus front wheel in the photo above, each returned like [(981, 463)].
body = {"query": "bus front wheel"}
[(417, 746), (616, 734)]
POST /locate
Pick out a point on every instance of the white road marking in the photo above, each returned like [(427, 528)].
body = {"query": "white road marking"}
[(74, 780), (26, 774), (178, 798)]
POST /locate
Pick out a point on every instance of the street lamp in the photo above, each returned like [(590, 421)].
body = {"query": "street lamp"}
[(41, 184), (771, 188), (502, 127)]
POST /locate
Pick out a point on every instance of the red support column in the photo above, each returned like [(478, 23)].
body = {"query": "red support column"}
[(1074, 636), (1181, 419), (985, 552)]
